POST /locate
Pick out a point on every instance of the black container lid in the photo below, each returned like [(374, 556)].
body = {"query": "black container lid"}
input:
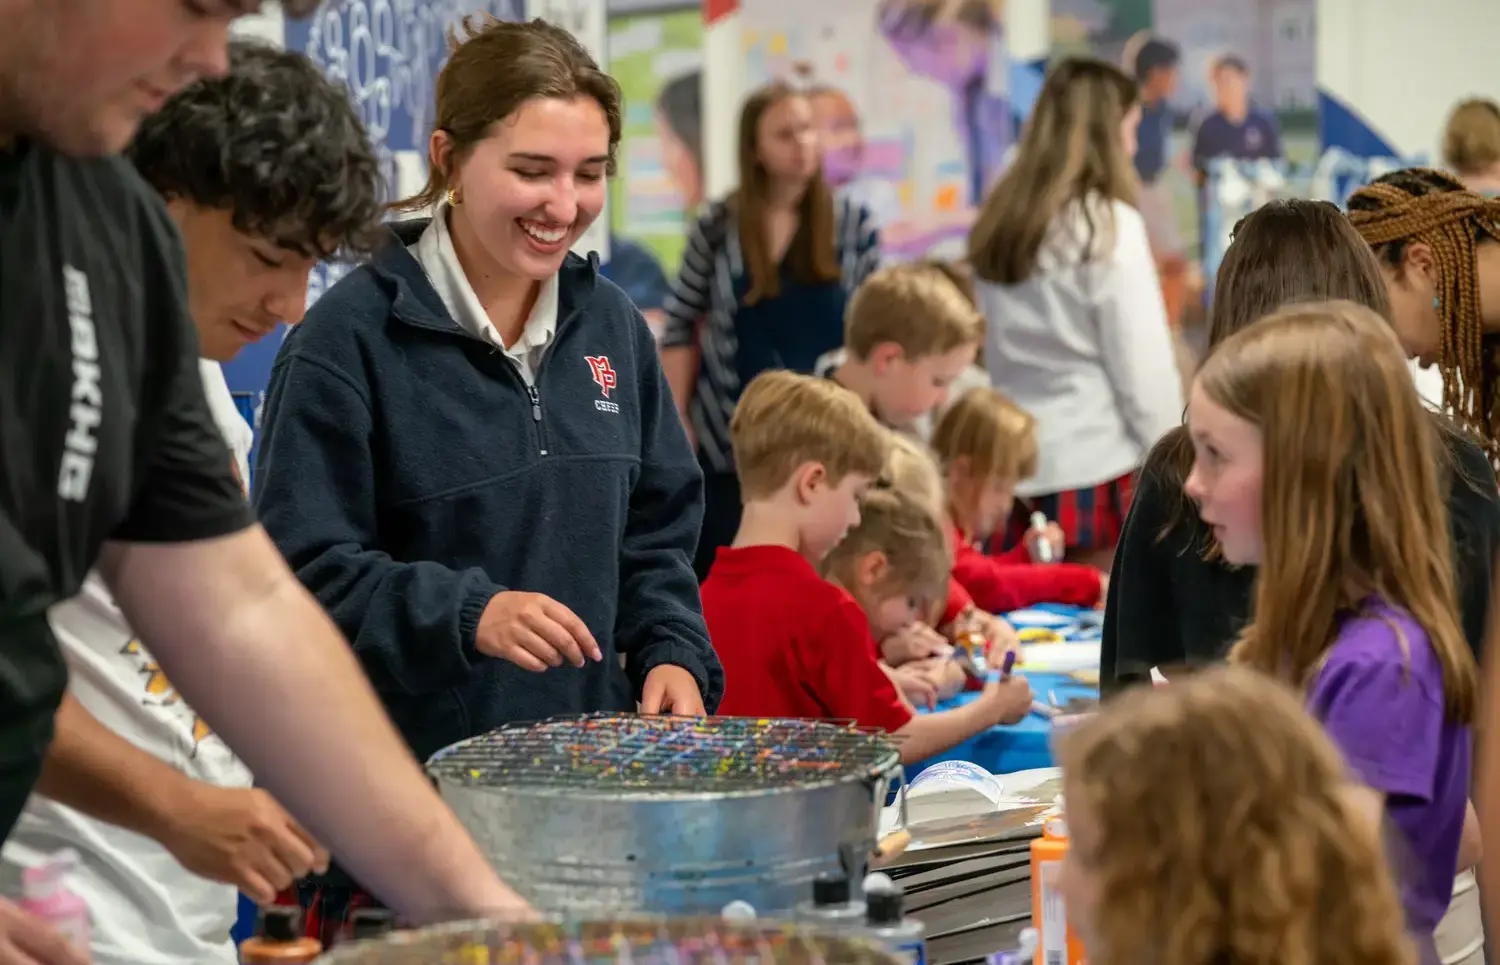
[(830, 889), (371, 923), (280, 924), (883, 907)]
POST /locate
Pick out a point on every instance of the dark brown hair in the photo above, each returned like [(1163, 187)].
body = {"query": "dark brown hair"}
[(1071, 153), (1428, 207), (1283, 253), (495, 66), (810, 255)]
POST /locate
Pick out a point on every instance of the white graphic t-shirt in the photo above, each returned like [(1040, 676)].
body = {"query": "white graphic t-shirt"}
[(145, 907)]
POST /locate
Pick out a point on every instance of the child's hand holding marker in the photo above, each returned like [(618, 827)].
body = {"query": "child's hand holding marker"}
[(1006, 697), (1044, 540)]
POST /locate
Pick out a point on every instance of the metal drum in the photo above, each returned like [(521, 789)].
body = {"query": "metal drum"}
[(615, 814), (639, 942)]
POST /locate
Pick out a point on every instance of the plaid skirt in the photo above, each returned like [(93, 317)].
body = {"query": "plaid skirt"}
[(1090, 518)]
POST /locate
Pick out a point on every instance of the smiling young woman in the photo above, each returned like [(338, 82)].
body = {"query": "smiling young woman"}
[(470, 454)]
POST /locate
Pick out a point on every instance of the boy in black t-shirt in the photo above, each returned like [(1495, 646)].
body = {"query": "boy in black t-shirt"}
[(109, 456), (265, 171)]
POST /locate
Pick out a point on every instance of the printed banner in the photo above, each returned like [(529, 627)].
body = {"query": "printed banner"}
[(658, 59)]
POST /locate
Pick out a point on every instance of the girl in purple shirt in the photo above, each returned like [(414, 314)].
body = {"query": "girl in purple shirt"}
[(1315, 460)]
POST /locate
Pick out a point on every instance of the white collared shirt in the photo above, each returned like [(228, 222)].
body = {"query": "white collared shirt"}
[(434, 252)]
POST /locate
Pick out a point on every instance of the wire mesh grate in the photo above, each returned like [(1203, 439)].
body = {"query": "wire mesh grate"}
[(620, 752), (645, 942)]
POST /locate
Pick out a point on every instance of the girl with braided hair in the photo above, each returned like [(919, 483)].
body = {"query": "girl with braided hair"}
[(1438, 252)]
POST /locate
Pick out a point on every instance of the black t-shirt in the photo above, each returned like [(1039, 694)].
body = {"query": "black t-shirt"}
[(104, 429)]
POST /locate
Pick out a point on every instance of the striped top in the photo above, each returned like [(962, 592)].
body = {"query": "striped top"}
[(704, 301)]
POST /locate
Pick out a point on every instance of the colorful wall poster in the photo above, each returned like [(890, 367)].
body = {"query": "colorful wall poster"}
[(1229, 92), (912, 100), (657, 57)]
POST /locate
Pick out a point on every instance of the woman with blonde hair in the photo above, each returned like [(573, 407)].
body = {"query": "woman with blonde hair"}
[(1315, 460), (1210, 824), (1471, 144), (1077, 330), (763, 285)]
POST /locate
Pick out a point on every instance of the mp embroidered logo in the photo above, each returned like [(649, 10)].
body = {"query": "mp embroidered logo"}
[(602, 371)]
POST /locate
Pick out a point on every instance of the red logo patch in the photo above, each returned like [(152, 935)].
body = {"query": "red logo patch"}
[(602, 371)]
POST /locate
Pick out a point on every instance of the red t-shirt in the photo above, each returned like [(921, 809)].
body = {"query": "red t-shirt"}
[(959, 600), (1004, 583), (793, 644)]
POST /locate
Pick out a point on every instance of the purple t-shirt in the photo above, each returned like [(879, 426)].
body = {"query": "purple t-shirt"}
[(1384, 709)]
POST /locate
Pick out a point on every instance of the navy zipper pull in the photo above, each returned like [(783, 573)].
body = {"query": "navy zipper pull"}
[(536, 403)]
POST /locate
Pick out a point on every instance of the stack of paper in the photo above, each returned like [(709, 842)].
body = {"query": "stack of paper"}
[(967, 876)]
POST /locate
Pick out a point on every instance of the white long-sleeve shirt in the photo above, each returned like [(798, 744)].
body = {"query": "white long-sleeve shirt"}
[(1084, 346)]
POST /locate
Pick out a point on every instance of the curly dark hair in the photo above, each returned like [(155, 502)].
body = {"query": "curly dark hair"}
[(275, 142)]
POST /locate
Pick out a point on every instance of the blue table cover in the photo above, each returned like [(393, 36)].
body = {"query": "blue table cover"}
[(1023, 746), (1018, 747)]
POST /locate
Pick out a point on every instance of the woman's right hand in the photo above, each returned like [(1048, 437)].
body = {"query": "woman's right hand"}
[(28, 940), (534, 632)]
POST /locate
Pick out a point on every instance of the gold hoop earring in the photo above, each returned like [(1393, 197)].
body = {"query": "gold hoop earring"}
[(452, 198)]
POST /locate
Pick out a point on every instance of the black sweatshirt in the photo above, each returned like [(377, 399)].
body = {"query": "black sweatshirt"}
[(1167, 606)]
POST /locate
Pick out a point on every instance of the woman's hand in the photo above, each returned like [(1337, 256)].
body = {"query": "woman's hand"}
[(670, 689), (533, 631)]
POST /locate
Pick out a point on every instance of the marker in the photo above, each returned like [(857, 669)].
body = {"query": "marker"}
[(1006, 665), (1043, 547)]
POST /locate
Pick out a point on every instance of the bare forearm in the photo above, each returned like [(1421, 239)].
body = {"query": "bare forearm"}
[(929, 734), (1470, 841), (94, 770), (1487, 765), (272, 675), (680, 366)]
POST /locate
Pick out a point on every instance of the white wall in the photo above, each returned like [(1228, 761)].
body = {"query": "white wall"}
[(1403, 65)]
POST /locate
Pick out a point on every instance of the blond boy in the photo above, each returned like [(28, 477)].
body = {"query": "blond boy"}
[(908, 334), (793, 644)]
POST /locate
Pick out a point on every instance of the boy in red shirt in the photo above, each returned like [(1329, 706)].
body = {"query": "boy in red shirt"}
[(792, 643), (986, 444)]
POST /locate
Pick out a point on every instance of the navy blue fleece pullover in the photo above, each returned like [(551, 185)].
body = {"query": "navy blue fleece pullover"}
[(408, 475)]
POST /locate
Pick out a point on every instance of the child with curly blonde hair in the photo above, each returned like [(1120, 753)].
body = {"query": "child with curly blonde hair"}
[(1211, 823)]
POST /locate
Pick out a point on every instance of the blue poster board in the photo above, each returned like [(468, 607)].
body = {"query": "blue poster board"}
[(388, 54)]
